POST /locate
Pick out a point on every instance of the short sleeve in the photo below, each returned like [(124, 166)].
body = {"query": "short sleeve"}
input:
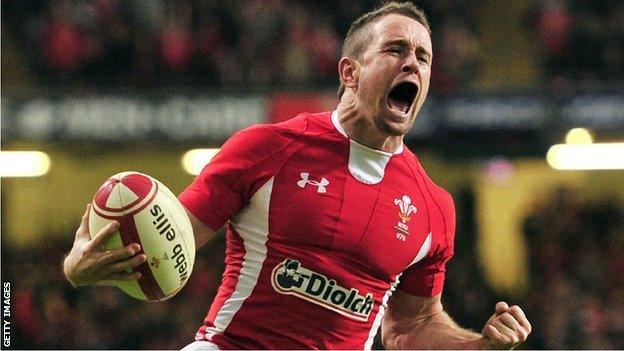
[(225, 185), (426, 278)]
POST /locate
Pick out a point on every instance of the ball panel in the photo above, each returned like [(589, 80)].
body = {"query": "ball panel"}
[(119, 197), (125, 197), (169, 256), (101, 197), (133, 289), (181, 218), (129, 234), (139, 184)]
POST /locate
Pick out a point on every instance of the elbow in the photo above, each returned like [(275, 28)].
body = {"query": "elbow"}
[(389, 344), (395, 332), (404, 334), (390, 339)]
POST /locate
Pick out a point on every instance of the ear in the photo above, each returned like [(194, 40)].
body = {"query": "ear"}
[(349, 70)]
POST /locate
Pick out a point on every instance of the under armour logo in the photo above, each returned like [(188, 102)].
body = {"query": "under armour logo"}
[(320, 185)]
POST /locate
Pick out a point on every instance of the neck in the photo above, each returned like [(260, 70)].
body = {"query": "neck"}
[(361, 129)]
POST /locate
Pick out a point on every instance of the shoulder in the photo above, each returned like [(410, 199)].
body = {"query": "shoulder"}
[(281, 133), (442, 206), (271, 133), (261, 141), (439, 194)]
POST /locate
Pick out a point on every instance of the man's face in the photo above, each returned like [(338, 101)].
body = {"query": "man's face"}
[(394, 73)]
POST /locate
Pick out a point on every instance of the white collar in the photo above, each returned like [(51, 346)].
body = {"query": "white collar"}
[(336, 122), (366, 164)]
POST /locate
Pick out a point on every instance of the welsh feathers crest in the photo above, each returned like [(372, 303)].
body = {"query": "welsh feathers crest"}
[(405, 208)]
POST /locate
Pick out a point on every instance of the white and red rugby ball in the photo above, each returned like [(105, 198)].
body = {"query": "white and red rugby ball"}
[(150, 215)]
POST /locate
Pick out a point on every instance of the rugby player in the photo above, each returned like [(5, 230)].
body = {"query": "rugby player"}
[(333, 227)]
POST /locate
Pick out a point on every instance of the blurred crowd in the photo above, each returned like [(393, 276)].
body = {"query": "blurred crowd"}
[(263, 44), (575, 298), (581, 41), (242, 44), (575, 251)]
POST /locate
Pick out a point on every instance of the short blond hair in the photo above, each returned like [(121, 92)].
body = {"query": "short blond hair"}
[(358, 36)]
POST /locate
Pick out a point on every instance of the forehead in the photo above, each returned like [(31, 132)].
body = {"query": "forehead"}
[(395, 26)]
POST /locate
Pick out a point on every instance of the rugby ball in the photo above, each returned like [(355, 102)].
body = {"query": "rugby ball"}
[(150, 215)]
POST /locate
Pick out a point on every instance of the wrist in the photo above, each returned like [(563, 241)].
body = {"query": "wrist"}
[(482, 343), (485, 343), (67, 271)]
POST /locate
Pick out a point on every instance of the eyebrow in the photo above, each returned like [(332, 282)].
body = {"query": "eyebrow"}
[(405, 43)]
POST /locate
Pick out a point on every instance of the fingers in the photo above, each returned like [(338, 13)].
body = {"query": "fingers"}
[(511, 336), (508, 327), (515, 320), (492, 333), (83, 229), (501, 307), (500, 339), (106, 232), (506, 322), (124, 276), (519, 316), (85, 217), (121, 253), (123, 258), (128, 263)]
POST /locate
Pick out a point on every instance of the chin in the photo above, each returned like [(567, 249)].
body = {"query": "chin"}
[(393, 128)]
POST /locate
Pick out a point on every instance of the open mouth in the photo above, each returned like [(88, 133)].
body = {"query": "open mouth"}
[(402, 96)]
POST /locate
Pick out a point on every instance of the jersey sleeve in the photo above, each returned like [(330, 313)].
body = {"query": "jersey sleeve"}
[(227, 183), (426, 277)]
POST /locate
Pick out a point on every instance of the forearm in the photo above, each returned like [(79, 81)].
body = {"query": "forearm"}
[(437, 331)]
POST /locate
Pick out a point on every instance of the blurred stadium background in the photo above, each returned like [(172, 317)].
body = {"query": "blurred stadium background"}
[(103, 86)]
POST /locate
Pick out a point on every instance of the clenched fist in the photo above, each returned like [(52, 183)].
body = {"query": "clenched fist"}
[(507, 328)]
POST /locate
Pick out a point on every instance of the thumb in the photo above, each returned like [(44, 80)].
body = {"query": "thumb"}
[(83, 230), (501, 307)]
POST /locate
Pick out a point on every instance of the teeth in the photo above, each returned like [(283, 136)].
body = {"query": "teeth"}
[(401, 106)]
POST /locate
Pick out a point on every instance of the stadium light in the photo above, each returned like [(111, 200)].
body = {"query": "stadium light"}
[(23, 163), (195, 160), (579, 136), (606, 156)]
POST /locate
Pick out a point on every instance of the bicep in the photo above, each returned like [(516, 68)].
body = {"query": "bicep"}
[(202, 232)]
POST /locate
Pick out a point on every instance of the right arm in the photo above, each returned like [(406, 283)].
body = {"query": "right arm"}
[(223, 187), (88, 264), (202, 232)]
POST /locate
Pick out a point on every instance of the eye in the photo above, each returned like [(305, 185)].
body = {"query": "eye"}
[(395, 49), (423, 58)]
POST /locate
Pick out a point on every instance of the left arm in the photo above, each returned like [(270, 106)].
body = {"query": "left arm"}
[(414, 322)]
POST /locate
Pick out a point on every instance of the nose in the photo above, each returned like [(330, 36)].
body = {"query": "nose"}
[(411, 64)]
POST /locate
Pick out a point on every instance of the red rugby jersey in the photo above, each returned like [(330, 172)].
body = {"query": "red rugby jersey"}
[(320, 231)]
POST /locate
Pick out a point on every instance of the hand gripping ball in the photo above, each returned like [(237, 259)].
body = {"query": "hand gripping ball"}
[(150, 215)]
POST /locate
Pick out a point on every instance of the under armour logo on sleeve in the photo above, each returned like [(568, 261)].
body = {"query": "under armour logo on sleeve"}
[(320, 185)]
